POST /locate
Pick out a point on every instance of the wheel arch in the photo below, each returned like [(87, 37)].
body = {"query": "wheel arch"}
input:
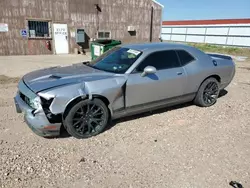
[(217, 77), (78, 99)]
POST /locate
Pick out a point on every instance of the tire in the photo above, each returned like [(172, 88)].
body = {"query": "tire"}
[(87, 118), (208, 93)]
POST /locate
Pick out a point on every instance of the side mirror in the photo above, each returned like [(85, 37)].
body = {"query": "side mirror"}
[(148, 70)]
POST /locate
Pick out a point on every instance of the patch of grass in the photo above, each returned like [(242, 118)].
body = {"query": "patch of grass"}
[(8, 80), (221, 49)]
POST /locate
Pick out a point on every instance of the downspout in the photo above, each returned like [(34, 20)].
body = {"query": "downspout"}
[(151, 24), (161, 25), (97, 20)]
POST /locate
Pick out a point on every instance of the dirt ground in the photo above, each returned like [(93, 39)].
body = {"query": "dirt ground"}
[(179, 147), (17, 66)]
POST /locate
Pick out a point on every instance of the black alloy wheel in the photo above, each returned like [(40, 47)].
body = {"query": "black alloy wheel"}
[(211, 93), (87, 118), (208, 93)]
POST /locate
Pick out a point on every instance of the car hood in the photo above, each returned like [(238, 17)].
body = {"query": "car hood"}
[(58, 76)]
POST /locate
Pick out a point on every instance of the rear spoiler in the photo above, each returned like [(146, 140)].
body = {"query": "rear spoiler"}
[(220, 56)]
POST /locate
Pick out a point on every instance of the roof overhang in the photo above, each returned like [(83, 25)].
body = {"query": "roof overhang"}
[(158, 3)]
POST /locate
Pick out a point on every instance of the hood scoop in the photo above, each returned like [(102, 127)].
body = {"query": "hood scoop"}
[(53, 76)]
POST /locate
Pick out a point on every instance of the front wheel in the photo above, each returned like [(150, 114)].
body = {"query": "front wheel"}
[(208, 93), (87, 118)]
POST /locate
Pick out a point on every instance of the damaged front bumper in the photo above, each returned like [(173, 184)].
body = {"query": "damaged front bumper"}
[(37, 122)]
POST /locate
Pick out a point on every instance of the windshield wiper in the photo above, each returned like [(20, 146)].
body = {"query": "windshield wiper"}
[(86, 62)]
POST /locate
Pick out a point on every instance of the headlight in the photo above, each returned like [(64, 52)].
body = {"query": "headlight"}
[(35, 103)]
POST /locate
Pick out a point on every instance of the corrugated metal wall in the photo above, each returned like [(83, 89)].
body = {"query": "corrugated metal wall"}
[(228, 35), (115, 16)]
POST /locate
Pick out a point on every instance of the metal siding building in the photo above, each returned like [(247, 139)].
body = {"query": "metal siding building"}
[(27, 25), (229, 32)]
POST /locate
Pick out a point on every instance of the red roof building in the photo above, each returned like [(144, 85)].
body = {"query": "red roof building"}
[(228, 32), (207, 22)]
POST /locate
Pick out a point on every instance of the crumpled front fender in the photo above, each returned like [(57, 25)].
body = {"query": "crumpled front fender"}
[(63, 96), (112, 89)]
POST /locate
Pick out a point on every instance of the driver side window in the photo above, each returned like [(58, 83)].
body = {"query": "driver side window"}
[(160, 60)]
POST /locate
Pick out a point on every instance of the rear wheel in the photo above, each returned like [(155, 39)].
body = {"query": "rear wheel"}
[(208, 93), (87, 118)]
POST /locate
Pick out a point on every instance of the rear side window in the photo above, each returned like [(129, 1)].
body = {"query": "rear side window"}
[(185, 57), (160, 60)]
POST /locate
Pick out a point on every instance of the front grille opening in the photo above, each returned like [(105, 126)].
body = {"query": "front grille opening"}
[(24, 98)]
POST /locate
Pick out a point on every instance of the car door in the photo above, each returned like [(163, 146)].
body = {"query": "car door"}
[(168, 81)]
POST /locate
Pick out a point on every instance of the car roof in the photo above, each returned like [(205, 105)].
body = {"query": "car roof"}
[(154, 46)]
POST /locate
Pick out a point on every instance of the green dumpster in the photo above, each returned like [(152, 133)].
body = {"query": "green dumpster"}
[(98, 47)]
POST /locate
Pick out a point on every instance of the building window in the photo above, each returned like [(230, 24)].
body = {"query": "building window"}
[(104, 35), (39, 29)]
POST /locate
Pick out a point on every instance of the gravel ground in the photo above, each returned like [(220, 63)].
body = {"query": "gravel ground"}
[(182, 147)]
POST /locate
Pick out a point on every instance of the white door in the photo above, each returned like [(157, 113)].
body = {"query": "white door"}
[(61, 38)]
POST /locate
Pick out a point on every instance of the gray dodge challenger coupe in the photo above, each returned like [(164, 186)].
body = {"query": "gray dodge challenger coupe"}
[(126, 80)]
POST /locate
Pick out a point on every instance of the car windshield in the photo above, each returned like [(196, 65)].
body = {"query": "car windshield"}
[(117, 60)]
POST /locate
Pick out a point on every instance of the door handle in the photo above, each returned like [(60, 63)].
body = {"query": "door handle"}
[(179, 73)]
